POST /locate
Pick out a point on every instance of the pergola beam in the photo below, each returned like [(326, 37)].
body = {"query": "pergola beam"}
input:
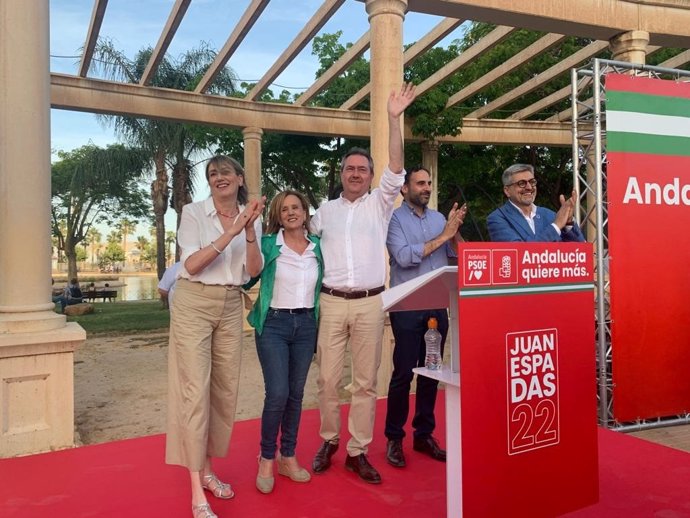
[(354, 52), (244, 25), (92, 36), (535, 49), (539, 80), (666, 21), (176, 14), (327, 9), (481, 47), (443, 29), (96, 96)]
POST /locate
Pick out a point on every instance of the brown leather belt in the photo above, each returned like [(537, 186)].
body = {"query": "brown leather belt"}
[(352, 294)]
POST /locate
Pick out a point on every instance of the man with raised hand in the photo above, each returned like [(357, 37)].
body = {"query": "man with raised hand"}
[(353, 232)]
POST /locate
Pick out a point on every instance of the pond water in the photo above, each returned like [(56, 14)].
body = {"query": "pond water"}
[(138, 287)]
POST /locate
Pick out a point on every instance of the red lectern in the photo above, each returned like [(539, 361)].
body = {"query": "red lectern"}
[(521, 425), (528, 378)]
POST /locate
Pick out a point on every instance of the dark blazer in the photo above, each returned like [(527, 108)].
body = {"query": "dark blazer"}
[(508, 224)]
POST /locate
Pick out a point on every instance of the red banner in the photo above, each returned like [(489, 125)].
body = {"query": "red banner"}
[(527, 378), (649, 254)]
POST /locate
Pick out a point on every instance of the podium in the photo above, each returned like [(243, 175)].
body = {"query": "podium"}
[(521, 421), (437, 290)]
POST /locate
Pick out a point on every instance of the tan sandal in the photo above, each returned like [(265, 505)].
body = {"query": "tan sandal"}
[(264, 484), (298, 475), (203, 511), (216, 487)]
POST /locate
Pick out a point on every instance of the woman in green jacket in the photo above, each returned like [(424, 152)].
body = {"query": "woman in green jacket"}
[(285, 320)]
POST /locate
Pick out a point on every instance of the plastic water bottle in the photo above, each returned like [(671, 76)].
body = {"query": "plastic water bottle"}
[(432, 338)]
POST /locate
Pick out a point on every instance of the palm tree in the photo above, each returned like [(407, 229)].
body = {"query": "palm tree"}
[(94, 239), (170, 239), (170, 144), (125, 227)]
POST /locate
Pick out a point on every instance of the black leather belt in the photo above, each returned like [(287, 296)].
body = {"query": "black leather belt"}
[(292, 311), (352, 294)]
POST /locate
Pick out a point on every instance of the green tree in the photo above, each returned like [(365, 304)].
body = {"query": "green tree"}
[(170, 144), (112, 254), (94, 185)]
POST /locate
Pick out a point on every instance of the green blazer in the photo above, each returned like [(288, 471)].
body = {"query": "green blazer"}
[(271, 251)]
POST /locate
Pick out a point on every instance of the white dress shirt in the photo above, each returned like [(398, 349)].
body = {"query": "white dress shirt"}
[(169, 280), (199, 225), (295, 278), (353, 236), (530, 218)]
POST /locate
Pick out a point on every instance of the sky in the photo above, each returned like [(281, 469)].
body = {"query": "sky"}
[(133, 26)]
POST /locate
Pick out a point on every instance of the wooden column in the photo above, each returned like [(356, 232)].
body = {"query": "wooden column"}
[(386, 22), (252, 160), (36, 347), (430, 162)]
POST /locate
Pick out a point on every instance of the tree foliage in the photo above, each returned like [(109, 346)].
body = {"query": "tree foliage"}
[(94, 185)]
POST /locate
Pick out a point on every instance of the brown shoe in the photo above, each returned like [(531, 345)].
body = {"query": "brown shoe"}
[(361, 466), (394, 453), (322, 459), (430, 447)]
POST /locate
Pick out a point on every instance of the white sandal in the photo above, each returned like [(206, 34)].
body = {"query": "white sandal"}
[(216, 487), (203, 511)]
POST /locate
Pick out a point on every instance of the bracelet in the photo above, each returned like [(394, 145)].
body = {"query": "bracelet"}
[(213, 245), (251, 240)]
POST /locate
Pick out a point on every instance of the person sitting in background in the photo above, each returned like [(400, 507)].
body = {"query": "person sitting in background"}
[(166, 286), (521, 220), (59, 297), (72, 294), (284, 318)]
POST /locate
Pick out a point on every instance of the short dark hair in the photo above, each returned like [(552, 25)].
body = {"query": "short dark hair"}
[(357, 151), (415, 169), (242, 192)]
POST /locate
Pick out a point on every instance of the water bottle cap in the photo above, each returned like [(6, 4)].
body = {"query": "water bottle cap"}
[(433, 323)]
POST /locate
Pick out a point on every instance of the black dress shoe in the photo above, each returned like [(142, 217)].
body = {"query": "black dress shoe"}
[(361, 466), (430, 446), (322, 459), (394, 453)]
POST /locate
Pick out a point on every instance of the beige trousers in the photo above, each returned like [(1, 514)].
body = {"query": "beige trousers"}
[(358, 322), (203, 372)]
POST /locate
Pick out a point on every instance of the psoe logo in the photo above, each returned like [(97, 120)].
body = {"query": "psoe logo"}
[(532, 390), (505, 266), (476, 267)]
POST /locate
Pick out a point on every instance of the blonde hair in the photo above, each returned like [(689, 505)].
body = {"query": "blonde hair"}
[(273, 224), (242, 191)]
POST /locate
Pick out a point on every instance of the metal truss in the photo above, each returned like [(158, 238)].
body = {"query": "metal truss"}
[(589, 178)]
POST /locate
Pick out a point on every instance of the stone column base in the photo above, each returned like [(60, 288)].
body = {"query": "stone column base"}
[(37, 390)]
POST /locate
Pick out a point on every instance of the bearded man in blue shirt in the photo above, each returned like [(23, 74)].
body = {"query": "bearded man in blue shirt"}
[(419, 240)]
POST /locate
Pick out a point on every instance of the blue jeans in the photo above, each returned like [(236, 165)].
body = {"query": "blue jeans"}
[(285, 350)]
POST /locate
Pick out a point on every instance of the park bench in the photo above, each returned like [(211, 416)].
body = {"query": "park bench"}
[(93, 296)]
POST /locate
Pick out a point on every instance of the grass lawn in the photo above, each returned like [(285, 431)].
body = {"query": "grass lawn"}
[(124, 317)]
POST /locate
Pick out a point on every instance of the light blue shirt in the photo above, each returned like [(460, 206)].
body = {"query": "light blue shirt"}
[(407, 234)]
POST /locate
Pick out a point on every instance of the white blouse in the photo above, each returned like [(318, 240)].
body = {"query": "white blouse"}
[(200, 224), (295, 278)]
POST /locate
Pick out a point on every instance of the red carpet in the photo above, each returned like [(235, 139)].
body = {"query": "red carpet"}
[(128, 479)]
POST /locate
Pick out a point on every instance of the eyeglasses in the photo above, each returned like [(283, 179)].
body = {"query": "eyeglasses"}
[(523, 183)]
